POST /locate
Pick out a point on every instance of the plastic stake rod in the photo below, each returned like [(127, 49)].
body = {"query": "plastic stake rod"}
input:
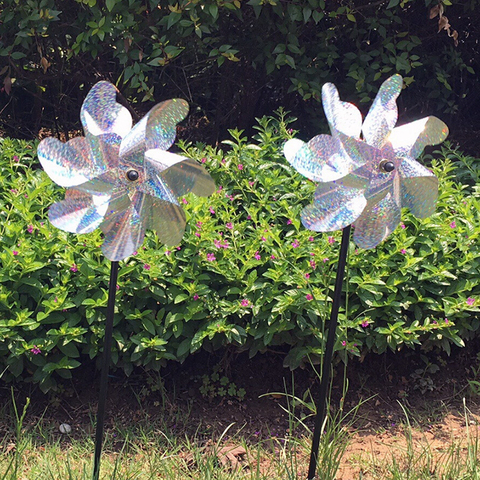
[(107, 353), (327, 359)]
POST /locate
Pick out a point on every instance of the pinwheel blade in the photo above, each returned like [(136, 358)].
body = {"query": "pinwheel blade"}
[(168, 221), (419, 188), (156, 130), (100, 112), (383, 113), (77, 161), (377, 221), (412, 138), (336, 204), (342, 117), (80, 212)]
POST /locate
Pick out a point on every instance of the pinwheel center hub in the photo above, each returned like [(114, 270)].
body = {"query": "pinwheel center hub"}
[(132, 175), (387, 166)]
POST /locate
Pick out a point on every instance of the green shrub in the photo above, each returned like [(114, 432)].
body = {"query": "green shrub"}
[(245, 273)]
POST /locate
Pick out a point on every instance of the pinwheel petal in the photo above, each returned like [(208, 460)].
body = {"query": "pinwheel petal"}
[(376, 222), (102, 114), (157, 129), (412, 138), (125, 230), (336, 204), (322, 159), (79, 160), (419, 188), (383, 113), (168, 221), (343, 117), (80, 212)]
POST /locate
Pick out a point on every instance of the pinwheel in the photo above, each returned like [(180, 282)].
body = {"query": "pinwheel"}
[(366, 174), (366, 181), (122, 180)]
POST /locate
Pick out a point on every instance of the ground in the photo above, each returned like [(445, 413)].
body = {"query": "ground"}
[(202, 398)]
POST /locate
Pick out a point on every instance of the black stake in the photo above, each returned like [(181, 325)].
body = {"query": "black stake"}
[(327, 359), (107, 353)]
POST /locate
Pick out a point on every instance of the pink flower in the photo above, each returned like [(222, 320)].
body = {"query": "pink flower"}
[(403, 251), (295, 244), (344, 343), (245, 302), (251, 183), (15, 158), (240, 166), (196, 297), (118, 287), (402, 225), (446, 320), (212, 211), (74, 268), (211, 257), (470, 301), (199, 224), (325, 260), (365, 324), (311, 239), (453, 224), (14, 253), (217, 243), (225, 245), (197, 234), (35, 350), (313, 263), (146, 266), (249, 217), (229, 226), (272, 257), (184, 201), (309, 296), (289, 222), (307, 276), (203, 160), (257, 256), (263, 239), (30, 229), (135, 253), (331, 240)]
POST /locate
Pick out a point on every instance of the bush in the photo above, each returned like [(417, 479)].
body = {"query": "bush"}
[(244, 275)]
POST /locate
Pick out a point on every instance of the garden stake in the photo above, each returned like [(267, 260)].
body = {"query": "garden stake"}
[(327, 359), (107, 354)]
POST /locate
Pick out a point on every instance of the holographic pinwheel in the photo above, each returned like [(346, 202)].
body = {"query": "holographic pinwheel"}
[(122, 179), (365, 182), (367, 173)]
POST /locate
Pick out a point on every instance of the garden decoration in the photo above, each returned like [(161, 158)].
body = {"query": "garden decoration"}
[(122, 180), (366, 174)]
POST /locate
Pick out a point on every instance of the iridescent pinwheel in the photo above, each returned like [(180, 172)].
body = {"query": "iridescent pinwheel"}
[(120, 178), (366, 181)]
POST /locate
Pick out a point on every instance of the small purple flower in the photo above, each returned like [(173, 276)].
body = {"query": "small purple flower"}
[(196, 297), (344, 343), (249, 217), (402, 225), (307, 276), (240, 166), (311, 239), (365, 324), (435, 322), (217, 243), (470, 301), (263, 239), (14, 253), (184, 201), (118, 287), (35, 350), (212, 211), (30, 229), (403, 251), (211, 257), (197, 234), (15, 158), (251, 183), (203, 160), (146, 266), (446, 320), (453, 224), (295, 243), (325, 260), (313, 263), (229, 225), (245, 302), (74, 268), (257, 256), (272, 257), (309, 296), (289, 222), (331, 240)]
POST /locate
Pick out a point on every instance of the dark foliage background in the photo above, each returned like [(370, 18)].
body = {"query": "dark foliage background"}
[(235, 60)]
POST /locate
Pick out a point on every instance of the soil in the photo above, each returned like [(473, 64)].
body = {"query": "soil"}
[(395, 389)]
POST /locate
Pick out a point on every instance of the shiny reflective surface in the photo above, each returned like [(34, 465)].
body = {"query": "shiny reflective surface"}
[(121, 178), (366, 181)]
